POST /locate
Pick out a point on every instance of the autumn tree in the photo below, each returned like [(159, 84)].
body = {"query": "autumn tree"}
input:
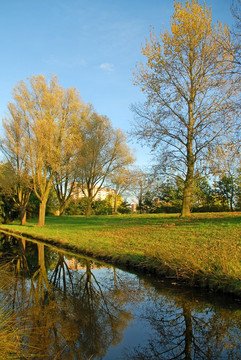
[(104, 150), (142, 182), (65, 176), (169, 192), (189, 90), (9, 206), (227, 189), (13, 147), (46, 111), (64, 181), (235, 49), (121, 181)]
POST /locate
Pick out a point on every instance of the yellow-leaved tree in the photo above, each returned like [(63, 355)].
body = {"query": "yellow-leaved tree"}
[(187, 79), (12, 145), (121, 181), (104, 151), (48, 114)]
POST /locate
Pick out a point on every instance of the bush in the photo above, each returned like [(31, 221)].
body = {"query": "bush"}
[(8, 209), (102, 207), (76, 207), (124, 208)]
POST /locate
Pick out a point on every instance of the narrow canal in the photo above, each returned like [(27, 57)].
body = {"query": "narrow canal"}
[(72, 307)]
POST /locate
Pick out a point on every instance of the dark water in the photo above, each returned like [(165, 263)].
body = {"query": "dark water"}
[(72, 307)]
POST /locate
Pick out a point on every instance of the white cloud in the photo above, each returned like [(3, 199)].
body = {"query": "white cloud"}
[(107, 67), (66, 62)]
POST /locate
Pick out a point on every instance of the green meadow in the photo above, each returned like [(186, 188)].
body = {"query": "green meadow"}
[(204, 249)]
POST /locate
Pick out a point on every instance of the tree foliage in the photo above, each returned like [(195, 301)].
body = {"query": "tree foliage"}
[(9, 207), (189, 90), (223, 194), (52, 138), (235, 50), (142, 182), (13, 147), (104, 151), (121, 182), (45, 114)]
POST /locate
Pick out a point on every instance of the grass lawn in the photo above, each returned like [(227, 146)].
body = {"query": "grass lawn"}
[(204, 249)]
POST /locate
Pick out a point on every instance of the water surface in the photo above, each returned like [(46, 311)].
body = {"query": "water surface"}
[(73, 307)]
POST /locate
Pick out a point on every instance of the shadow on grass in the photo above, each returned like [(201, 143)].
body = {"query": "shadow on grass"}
[(97, 222), (217, 219), (229, 219), (111, 221)]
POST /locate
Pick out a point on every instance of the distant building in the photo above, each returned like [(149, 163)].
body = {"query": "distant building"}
[(103, 193), (74, 264), (79, 191)]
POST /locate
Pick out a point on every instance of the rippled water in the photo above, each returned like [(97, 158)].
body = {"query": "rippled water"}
[(72, 307)]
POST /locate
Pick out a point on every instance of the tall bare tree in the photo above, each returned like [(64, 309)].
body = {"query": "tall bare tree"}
[(104, 150), (235, 50), (189, 89), (46, 111), (142, 182), (121, 181)]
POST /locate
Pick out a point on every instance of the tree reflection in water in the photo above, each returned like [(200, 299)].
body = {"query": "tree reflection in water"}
[(68, 314), (73, 309), (194, 330)]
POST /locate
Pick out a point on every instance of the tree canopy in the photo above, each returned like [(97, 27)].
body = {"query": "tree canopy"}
[(104, 151), (189, 92), (53, 138), (43, 113)]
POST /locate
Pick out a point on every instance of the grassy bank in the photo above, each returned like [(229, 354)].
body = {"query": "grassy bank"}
[(205, 249)]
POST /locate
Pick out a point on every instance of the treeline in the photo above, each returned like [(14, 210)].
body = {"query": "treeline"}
[(9, 207), (190, 119), (53, 140), (222, 194), (190, 79)]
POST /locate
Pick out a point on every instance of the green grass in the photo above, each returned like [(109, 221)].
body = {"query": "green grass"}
[(204, 249)]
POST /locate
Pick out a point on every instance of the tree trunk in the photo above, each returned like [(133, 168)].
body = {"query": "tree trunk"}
[(24, 243), (88, 272), (42, 210), (23, 215), (88, 208), (187, 192), (115, 204), (62, 208), (43, 278), (89, 200), (23, 198), (188, 331), (231, 198), (140, 205), (41, 260)]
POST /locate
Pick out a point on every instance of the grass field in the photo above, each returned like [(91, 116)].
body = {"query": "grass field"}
[(203, 249)]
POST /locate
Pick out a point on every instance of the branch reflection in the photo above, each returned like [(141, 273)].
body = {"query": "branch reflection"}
[(67, 312), (195, 330)]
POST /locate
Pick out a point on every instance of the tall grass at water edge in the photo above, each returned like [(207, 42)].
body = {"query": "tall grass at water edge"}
[(11, 346)]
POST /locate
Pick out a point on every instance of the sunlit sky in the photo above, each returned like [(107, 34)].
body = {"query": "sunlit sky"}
[(93, 45)]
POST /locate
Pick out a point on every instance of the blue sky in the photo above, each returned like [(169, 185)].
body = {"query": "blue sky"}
[(93, 45)]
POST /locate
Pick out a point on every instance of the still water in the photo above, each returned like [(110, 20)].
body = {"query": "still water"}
[(72, 307)]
